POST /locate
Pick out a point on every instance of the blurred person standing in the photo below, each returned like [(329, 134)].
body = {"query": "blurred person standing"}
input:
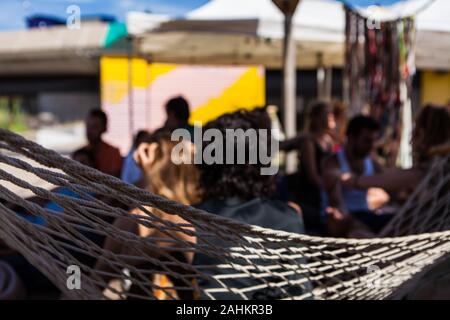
[(178, 113), (107, 158), (314, 147)]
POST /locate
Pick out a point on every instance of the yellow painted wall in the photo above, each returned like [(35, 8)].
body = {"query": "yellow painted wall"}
[(115, 72), (247, 92), (435, 87)]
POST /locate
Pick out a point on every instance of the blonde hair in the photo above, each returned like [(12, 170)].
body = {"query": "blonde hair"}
[(164, 177), (177, 182)]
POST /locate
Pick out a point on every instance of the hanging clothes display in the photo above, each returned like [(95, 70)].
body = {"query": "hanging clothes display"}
[(378, 72)]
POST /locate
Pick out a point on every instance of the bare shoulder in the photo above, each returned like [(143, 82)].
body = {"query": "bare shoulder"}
[(142, 213)]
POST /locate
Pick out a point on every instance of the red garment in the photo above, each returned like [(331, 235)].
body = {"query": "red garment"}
[(336, 148), (108, 159)]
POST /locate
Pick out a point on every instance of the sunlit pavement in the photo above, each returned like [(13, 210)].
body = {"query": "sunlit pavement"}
[(63, 139)]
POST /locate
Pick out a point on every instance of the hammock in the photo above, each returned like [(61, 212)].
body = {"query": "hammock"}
[(255, 263)]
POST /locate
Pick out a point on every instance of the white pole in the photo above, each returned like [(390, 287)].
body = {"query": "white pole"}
[(290, 89), (289, 83)]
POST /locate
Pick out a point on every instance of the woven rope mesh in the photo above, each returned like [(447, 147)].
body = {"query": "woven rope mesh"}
[(255, 263)]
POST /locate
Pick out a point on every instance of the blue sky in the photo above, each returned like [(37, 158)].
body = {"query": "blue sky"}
[(13, 12)]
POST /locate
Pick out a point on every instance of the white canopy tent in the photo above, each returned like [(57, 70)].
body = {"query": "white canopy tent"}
[(433, 36), (314, 20), (242, 32), (251, 31)]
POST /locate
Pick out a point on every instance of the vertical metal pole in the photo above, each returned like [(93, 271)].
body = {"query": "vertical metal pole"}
[(130, 88), (289, 87), (328, 84)]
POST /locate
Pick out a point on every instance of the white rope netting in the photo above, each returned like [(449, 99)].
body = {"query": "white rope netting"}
[(254, 263)]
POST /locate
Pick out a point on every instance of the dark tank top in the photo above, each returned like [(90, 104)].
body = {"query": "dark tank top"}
[(260, 212), (308, 193)]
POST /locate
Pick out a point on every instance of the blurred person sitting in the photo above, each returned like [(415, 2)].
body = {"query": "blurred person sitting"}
[(431, 137), (229, 188), (178, 182), (131, 172), (240, 192), (107, 158), (355, 158)]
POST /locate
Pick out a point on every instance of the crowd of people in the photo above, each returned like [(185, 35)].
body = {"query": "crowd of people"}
[(341, 188)]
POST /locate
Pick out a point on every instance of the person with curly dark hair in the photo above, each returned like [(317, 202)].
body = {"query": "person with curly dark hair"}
[(230, 187), (225, 181), (239, 191)]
